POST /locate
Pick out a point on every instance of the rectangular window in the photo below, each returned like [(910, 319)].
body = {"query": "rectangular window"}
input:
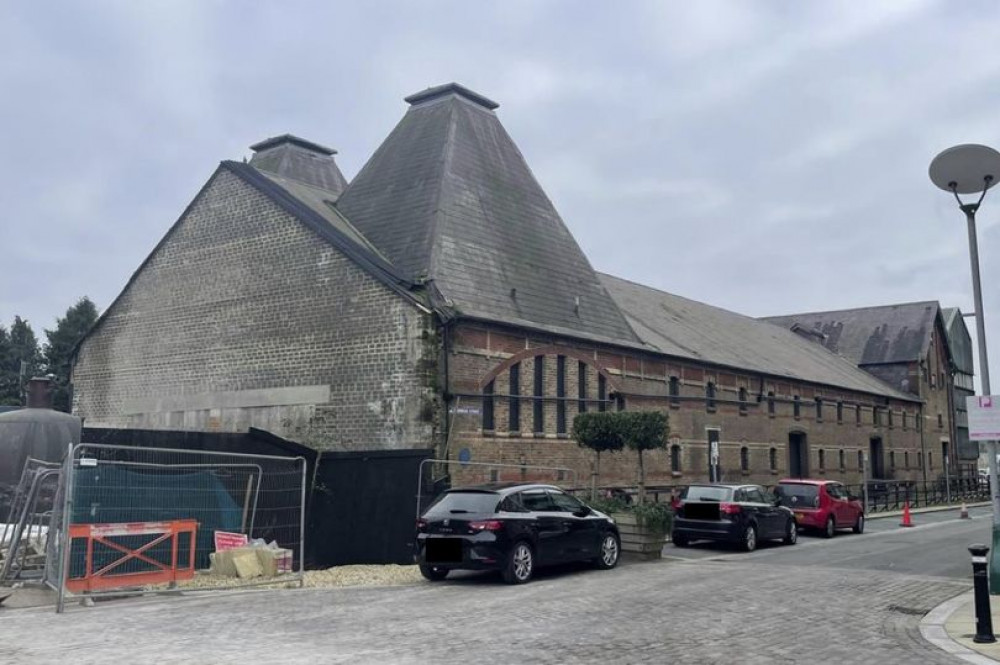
[(488, 407), (876, 416), (905, 418), (797, 407), (940, 421), (840, 412), (538, 410), (819, 408), (710, 396), (743, 401), (582, 392), (888, 412), (770, 404), (602, 392), (675, 391), (514, 400), (560, 394), (857, 413)]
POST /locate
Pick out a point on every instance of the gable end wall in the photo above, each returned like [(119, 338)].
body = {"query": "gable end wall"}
[(244, 317)]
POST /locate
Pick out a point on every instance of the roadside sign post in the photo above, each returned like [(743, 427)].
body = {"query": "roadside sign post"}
[(984, 425)]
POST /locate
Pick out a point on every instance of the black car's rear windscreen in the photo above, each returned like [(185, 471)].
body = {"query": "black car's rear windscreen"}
[(464, 503)]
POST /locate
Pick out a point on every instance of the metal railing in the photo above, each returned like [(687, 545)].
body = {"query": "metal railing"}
[(889, 495)]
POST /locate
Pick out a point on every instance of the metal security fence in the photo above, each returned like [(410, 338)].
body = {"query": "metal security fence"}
[(149, 519)]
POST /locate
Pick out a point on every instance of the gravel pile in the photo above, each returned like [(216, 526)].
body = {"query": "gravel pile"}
[(387, 575)]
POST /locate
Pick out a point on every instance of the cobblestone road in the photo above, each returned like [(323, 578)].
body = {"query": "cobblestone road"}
[(662, 612)]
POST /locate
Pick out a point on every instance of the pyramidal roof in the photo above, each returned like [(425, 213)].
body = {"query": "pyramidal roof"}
[(448, 197), (303, 161)]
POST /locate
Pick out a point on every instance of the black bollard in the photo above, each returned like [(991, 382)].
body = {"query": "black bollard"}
[(981, 582)]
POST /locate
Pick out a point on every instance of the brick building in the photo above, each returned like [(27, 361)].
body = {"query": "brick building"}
[(438, 300)]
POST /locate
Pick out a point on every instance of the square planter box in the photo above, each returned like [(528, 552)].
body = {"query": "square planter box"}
[(638, 539)]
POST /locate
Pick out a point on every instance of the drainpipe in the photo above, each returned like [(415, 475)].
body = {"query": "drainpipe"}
[(923, 451)]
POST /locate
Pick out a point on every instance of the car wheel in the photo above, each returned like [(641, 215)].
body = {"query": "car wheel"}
[(831, 529), (749, 543), (433, 573), (791, 533), (610, 551), (859, 526), (520, 564), (680, 541)]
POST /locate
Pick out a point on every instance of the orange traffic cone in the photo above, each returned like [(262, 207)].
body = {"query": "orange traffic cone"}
[(906, 515), (963, 514)]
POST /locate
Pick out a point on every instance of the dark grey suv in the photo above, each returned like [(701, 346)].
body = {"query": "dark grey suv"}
[(739, 514)]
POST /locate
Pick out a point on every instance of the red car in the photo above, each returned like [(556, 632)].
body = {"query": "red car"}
[(821, 504)]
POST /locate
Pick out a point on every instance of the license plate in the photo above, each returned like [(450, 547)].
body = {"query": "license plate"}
[(443, 550)]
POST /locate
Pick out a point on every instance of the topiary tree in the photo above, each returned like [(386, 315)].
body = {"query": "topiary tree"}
[(643, 430), (600, 432)]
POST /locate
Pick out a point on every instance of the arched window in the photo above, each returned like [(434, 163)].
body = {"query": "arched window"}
[(710, 396), (822, 460), (675, 458), (744, 459), (488, 407), (772, 459), (514, 400)]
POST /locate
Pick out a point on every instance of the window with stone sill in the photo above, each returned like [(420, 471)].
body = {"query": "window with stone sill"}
[(770, 404), (797, 407), (488, 407), (819, 409), (822, 460), (675, 458), (840, 413), (743, 401), (745, 459), (772, 459), (842, 459), (710, 396)]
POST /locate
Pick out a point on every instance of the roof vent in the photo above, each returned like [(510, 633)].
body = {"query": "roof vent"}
[(447, 89)]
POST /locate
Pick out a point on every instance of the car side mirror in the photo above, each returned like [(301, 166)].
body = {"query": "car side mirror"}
[(582, 512)]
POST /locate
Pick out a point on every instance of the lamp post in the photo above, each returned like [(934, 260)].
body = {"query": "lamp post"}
[(973, 169)]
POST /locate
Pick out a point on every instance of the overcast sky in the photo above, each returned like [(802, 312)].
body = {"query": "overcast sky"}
[(766, 157)]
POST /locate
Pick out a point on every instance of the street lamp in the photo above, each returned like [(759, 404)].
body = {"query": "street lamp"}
[(973, 169)]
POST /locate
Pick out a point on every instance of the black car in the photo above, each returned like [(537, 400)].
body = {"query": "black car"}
[(513, 529), (740, 514)]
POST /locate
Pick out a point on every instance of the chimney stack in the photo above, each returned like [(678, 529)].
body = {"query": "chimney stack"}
[(40, 393)]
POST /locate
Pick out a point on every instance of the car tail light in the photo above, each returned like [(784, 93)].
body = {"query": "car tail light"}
[(676, 504), (486, 525), (729, 508), (421, 524)]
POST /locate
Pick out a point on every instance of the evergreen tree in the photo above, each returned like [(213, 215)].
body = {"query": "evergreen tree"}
[(69, 330), (8, 391), (19, 361)]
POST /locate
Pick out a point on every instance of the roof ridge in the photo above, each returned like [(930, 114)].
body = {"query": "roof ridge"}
[(854, 309)]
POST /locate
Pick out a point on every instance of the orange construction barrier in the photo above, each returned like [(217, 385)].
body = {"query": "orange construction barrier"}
[(906, 515), (156, 571)]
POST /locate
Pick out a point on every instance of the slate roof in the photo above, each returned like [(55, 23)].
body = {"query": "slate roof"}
[(448, 197), (959, 340), (689, 329), (872, 335), (297, 159)]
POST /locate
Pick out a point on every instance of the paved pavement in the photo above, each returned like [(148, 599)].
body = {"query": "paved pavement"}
[(779, 605)]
